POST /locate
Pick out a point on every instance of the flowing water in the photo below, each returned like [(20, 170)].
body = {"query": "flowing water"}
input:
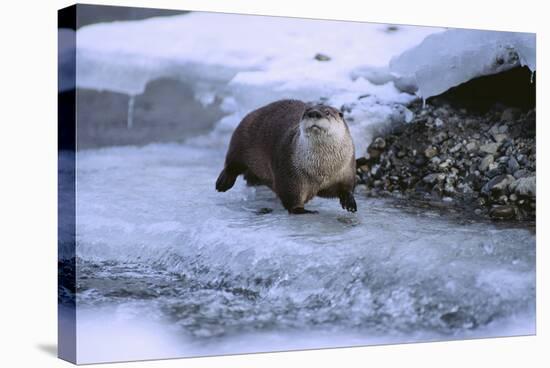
[(169, 267)]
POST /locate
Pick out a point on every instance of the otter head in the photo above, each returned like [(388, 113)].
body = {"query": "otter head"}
[(321, 121)]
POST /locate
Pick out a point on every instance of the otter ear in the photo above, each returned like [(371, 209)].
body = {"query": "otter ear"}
[(340, 114)]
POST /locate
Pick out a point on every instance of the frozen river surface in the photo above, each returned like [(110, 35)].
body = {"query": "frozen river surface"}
[(172, 268)]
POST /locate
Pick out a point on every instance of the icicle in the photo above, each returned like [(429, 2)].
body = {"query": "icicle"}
[(532, 75), (423, 103), (130, 121)]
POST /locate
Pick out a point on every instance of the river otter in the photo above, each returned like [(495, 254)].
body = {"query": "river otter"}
[(298, 150)]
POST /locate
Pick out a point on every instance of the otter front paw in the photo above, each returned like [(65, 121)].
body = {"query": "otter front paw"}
[(347, 200)]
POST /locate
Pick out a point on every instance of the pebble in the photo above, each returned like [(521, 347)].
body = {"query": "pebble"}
[(513, 164), (487, 160), (489, 148), (472, 146), (321, 57), (526, 186), (449, 158), (432, 178), (505, 212), (430, 152)]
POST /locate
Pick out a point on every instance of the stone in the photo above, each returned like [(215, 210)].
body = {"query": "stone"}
[(456, 148), (439, 137), (435, 160), (521, 173), (503, 183), (513, 164), (509, 115), (439, 122), (379, 143), (321, 57), (491, 148), (430, 152), (432, 178), (499, 138), (487, 160), (526, 186), (498, 184), (505, 212), (472, 146), (445, 164)]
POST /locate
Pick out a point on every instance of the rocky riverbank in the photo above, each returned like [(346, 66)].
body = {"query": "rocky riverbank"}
[(484, 163)]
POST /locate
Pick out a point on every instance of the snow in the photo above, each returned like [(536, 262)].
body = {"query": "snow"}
[(124, 56), (251, 60), (447, 59)]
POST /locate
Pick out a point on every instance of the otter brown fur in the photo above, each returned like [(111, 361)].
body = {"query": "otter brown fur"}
[(298, 150)]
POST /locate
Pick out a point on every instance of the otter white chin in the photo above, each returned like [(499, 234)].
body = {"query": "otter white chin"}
[(298, 150)]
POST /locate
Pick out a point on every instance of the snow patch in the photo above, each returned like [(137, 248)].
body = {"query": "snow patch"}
[(447, 59)]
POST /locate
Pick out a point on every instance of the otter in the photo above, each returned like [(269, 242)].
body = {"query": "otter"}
[(297, 149)]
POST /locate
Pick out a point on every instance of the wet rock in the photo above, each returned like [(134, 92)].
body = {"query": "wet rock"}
[(459, 319), (321, 57), (456, 148), (472, 146), (430, 152), (491, 148), (499, 138), (521, 173), (376, 148), (445, 164), (498, 184), (509, 115), (435, 161), (525, 186), (439, 137), (513, 165), (264, 211), (432, 178), (506, 212), (487, 160), (475, 159)]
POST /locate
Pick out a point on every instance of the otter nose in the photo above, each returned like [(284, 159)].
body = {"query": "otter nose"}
[(314, 114)]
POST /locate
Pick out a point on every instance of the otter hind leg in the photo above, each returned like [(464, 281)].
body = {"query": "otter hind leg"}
[(228, 176), (252, 180)]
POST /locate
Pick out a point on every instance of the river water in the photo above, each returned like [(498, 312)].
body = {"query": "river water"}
[(169, 267)]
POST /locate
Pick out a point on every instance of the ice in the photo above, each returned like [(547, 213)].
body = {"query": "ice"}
[(447, 59), (384, 274)]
